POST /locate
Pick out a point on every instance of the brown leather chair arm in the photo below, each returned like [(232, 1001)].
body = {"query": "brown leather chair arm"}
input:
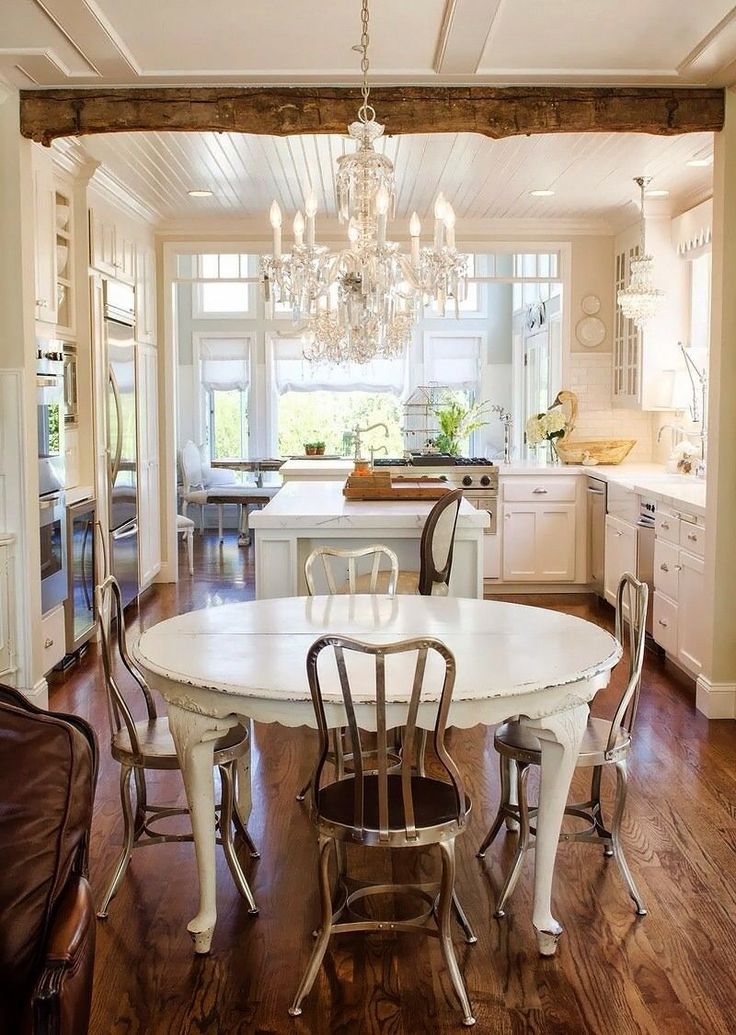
[(63, 992)]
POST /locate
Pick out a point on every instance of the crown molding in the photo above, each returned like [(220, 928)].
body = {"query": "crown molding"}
[(111, 189)]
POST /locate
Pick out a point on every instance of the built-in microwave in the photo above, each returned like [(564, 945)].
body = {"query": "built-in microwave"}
[(50, 416)]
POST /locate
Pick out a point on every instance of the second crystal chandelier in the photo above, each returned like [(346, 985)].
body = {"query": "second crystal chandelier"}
[(361, 303)]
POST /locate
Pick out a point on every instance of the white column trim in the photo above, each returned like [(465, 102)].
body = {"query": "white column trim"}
[(715, 700)]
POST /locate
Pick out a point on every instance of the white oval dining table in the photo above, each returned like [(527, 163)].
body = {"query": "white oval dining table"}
[(222, 665)]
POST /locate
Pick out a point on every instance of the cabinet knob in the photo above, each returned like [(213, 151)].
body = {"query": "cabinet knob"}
[(619, 534), (48, 642), (663, 622), (692, 537), (665, 526), (678, 567), (664, 567)]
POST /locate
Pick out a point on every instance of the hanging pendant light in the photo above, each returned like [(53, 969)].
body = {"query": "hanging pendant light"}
[(362, 302), (640, 299)]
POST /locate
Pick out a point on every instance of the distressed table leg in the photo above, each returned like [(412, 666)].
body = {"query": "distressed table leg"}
[(560, 736), (194, 736)]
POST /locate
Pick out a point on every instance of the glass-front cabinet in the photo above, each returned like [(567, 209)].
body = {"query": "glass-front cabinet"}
[(80, 602)]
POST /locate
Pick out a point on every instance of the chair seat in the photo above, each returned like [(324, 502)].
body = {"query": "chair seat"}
[(514, 740), (407, 583), (159, 752), (183, 523), (435, 805)]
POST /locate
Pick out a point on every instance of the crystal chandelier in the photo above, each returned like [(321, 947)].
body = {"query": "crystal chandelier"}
[(640, 300), (362, 302)]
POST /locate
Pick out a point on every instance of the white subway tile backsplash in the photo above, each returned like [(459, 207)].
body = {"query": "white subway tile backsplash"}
[(591, 378)]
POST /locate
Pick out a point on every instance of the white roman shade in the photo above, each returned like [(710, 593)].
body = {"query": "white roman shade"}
[(224, 363), (691, 231), (452, 361), (293, 373)]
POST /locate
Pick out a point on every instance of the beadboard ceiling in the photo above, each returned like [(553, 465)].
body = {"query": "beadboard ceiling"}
[(142, 43), (484, 179)]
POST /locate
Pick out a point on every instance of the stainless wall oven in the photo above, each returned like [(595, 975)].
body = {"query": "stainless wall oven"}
[(53, 550), (50, 416)]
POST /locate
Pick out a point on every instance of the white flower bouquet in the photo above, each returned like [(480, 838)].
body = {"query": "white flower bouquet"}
[(545, 427)]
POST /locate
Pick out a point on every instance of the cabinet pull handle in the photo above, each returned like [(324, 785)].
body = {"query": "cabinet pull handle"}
[(662, 622), (678, 567), (49, 642), (619, 534), (692, 537), (540, 492), (665, 526), (664, 567)]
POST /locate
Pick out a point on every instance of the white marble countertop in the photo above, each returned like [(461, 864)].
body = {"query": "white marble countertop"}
[(310, 468), (306, 504), (78, 493), (682, 492)]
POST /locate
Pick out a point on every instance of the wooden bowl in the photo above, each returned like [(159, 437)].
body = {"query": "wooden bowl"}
[(604, 450)]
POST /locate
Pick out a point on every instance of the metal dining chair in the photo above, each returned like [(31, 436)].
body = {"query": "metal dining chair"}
[(377, 580), (606, 742), (148, 745), (379, 808)]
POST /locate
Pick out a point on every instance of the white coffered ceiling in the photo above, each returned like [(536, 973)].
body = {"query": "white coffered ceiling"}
[(484, 179), (147, 42)]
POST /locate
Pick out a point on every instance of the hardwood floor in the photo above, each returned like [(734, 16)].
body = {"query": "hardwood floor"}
[(672, 972)]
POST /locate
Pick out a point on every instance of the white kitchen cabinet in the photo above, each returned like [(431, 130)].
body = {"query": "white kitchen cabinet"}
[(149, 493), (691, 612), (621, 554), (645, 361), (664, 623), (145, 295), (44, 214), (111, 250), (7, 607), (539, 542), (53, 638)]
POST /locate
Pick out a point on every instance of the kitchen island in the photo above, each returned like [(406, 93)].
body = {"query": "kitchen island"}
[(305, 515)]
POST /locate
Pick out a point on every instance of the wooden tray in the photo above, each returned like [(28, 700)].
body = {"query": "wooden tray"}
[(381, 486)]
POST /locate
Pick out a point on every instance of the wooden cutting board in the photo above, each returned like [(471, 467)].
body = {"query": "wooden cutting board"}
[(381, 486)]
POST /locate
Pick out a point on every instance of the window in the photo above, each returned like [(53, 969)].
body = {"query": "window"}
[(320, 403), (229, 298), (452, 364), (470, 306), (224, 370), (700, 274)]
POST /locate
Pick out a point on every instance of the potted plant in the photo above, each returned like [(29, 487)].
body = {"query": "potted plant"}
[(546, 427), (457, 421), (319, 449)]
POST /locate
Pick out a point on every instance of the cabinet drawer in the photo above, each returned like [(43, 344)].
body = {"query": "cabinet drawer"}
[(550, 489), (668, 527), (692, 538), (664, 628), (666, 567), (53, 638)]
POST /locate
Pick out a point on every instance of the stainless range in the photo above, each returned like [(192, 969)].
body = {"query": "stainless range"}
[(476, 476)]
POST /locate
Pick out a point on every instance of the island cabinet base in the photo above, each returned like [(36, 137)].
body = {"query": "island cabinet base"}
[(280, 557)]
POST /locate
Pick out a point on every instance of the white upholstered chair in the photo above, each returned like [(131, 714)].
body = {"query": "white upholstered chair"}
[(198, 478), (185, 528)]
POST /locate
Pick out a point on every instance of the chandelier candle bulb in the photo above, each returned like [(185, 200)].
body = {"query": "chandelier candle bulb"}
[(439, 220), (415, 229), (449, 220), (310, 207), (275, 216), (382, 200), (299, 229)]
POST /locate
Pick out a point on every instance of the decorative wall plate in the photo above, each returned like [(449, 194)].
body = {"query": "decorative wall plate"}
[(590, 332), (591, 305)]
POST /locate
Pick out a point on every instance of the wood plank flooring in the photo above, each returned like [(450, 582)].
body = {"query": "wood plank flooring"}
[(671, 972)]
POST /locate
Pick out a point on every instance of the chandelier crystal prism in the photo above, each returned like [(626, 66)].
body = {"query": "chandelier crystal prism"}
[(362, 302), (640, 299)]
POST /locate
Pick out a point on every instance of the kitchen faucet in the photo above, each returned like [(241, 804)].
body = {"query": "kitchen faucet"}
[(357, 432), (677, 433)]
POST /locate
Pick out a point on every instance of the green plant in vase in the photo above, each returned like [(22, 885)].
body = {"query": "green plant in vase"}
[(457, 422)]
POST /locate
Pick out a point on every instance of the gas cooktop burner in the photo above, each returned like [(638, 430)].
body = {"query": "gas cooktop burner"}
[(433, 460)]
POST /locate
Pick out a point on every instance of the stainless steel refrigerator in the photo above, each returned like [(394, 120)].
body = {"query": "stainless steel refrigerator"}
[(122, 448)]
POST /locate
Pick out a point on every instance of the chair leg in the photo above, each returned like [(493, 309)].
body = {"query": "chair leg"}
[(321, 942), (190, 549), (227, 813), (447, 890), (597, 809), (522, 844), (462, 919), (128, 839), (502, 806), (219, 521), (622, 781), (305, 790), (141, 801), (201, 518), (421, 752)]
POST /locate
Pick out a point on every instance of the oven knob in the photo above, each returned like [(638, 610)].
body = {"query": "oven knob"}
[(485, 480), (467, 480)]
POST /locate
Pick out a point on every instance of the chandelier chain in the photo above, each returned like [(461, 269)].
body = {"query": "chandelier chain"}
[(365, 89)]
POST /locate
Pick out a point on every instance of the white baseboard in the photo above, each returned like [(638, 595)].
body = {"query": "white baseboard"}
[(37, 694), (493, 587), (715, 700)]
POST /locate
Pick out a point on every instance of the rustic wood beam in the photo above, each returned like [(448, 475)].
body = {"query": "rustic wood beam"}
[(280, 111)]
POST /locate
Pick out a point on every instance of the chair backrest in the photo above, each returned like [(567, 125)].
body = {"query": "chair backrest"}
[(438, 543), (632, 598), (191, 467), (114, 642), (48, 773), (329, 556), (379, 755)]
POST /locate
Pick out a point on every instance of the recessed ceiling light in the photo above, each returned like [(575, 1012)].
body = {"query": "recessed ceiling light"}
[(657, 193), (700, 163), (200, 192), (542, 193)]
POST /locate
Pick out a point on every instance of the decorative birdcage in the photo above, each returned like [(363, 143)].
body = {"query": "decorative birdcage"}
[(419, 425)]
